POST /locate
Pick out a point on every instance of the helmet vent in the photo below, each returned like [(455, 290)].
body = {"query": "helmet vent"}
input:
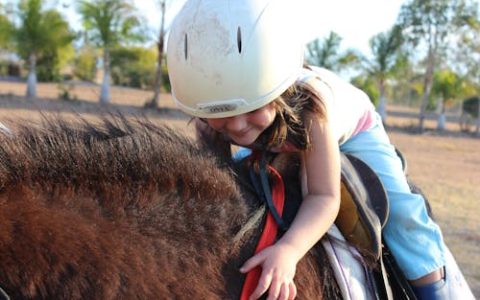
[(239, 39), (185, 47)]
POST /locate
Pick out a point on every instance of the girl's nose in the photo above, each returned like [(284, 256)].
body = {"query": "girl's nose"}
[(235, 123)]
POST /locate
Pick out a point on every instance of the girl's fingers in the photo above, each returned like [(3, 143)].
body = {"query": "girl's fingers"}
[(284, 292), (252, 263), (274, 290), (292, 291), (263, 285)]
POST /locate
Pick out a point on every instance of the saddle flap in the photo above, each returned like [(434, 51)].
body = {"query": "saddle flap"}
[(364, 205)]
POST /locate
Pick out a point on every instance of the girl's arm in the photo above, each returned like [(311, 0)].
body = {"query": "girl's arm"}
[(320, 177), (321, 183)]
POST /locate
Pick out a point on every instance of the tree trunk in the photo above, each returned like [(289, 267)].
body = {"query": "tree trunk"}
[(477, 130), (382, 105), (32, 77), (441, 121), (105, 88), (155, 102), (427, 87)]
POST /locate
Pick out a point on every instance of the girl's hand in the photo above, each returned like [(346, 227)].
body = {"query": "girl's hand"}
[(278, 263)]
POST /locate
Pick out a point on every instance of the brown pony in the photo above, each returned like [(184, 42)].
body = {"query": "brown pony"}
[(128, 210)]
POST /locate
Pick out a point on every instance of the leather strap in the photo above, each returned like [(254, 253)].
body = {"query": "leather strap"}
[(263, 190), (270, 230)]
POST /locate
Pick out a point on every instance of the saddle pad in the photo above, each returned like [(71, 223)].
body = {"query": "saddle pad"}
[(348, 267)]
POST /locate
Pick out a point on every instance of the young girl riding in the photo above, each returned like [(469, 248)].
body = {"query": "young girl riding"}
[(237, 66)]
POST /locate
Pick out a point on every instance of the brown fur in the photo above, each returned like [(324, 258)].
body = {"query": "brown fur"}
[(124, 210)]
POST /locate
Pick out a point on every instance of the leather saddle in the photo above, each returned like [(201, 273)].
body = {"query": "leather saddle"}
[(364, 211), (364, 206)]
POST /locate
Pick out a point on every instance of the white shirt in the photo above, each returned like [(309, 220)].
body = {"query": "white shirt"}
[(349, 109)]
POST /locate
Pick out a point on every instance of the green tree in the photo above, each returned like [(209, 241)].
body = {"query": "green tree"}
[(85, 64), (404, 76), (470, 110), (39, 33), (6, 30), (428, 25), (159, 74), (323, 53), (368, 85), (109, 23), (468, 46), (385, 47), (133, 66), (326, 53), (51, 62), (447, 86)]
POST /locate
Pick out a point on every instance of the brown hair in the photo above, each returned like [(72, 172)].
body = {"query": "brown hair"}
[(290, 124)]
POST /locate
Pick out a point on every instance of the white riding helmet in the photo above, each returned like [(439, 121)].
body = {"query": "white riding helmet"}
[(228, 57)]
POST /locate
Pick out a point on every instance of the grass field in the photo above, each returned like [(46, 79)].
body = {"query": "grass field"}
[(445, 165)]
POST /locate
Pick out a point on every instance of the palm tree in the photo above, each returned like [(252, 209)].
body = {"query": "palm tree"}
[(39, 32), (468, 54), (384, 48), (326, 53), (6, 30), (428, 25), (109, 23), (447, 85), (154, 102)]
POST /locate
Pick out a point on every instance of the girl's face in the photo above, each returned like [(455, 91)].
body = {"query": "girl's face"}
[(244, 129)]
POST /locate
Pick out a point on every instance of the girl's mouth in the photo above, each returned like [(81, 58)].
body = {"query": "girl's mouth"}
[(241, 133)]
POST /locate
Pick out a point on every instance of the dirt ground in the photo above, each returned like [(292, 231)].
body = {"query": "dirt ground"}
[(446, 166)]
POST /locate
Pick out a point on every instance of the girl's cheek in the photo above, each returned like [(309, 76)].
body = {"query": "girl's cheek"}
[(262, 117), (215, 124)]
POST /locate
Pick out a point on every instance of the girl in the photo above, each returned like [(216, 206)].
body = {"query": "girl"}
[(238, 67)]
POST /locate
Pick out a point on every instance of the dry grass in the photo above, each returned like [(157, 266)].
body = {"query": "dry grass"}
[(130, 102), (446, 166), (447, 169)]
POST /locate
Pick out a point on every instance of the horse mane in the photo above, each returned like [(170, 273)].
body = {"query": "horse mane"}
[(124, 209), (112, 186)]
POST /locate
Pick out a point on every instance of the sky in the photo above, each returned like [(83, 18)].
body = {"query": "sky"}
[(355, 21)]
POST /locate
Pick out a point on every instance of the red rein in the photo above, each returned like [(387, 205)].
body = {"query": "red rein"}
[(269, 233)]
